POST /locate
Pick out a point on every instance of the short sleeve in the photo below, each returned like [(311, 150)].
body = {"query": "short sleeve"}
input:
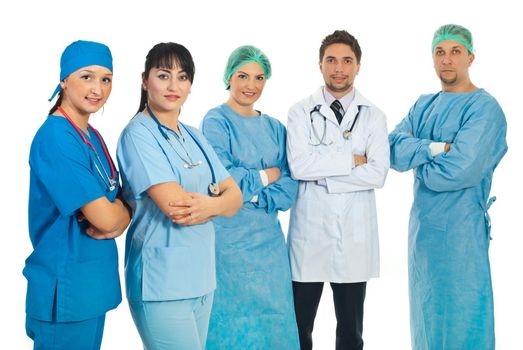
[(62, 163), (142, 161)]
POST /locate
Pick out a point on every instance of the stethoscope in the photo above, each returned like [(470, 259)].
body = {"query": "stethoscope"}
[(188, 163), (347, 134), (110, 181)]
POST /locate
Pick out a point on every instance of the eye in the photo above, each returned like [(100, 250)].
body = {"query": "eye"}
[(163, 76), (183, 77), (260, 77), (242, 76), (330, 60), (85, 77), (107, 80), (348, 61), (456, 51), (440, 52)]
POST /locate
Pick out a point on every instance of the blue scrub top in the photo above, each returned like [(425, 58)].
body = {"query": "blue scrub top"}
[(71, 276), (165, 261)]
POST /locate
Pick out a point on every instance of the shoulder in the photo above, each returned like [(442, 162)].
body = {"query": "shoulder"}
[(372, 111), (217, 115), (140, 124), (56, 133)]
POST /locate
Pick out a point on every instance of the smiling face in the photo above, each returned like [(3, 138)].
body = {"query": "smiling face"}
[(452, 62), (167, 89), (339, 67), (86, 90), (246, 87)]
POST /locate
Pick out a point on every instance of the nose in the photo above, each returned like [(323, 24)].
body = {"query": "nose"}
[(446, 59), (251, 83), (172, 85), (96, 87)]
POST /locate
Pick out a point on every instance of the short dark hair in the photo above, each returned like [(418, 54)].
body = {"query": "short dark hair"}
[(167, 55), (341, 37)]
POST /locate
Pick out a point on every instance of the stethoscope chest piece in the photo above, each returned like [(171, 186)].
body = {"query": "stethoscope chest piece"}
[(347, 134), (214, 189)]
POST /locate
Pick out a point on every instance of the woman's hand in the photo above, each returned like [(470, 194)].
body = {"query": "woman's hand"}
[(198, 209)]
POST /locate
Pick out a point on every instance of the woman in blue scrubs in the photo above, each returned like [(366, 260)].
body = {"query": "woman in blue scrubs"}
[(175, 184), (253, 306), (74, 211)]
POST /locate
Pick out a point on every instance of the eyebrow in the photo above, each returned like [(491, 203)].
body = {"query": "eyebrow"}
[(90, 71), (344, 57)]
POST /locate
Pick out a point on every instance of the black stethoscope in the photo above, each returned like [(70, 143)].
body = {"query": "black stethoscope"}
[(347, 134), (213, 188), (110, 181)]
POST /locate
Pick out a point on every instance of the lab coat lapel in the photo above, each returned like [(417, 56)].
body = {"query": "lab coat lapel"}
[(325, 110)]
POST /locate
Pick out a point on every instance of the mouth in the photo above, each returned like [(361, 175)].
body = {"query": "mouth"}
[(93, 100), (172, 98), (249, 94), (339, 78)]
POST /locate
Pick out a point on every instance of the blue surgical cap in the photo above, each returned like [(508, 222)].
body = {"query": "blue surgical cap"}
[(82, 54), (243, 55)]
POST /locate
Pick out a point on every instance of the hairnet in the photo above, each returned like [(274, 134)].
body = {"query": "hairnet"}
[(243, 55), (453, 32), (81, 54)]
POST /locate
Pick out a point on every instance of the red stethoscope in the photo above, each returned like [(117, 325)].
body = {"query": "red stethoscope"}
[(110, 181)]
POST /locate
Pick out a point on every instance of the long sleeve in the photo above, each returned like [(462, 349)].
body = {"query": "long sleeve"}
[(371, 175), (477, 149), (281, 194), (307, 163), (218, 133), (406, 150)]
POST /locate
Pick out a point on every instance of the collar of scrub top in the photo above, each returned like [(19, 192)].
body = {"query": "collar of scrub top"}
[(111, 180), (213, 188)]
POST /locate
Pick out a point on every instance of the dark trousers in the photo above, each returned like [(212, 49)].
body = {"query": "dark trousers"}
[(348, 303)]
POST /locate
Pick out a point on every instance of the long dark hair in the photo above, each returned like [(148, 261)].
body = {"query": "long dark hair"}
[(166, 55), (58, 102)]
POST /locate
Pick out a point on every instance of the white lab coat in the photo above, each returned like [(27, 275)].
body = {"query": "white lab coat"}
[(333, 232)]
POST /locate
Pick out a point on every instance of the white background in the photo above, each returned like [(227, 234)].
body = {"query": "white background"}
[(395, 37)]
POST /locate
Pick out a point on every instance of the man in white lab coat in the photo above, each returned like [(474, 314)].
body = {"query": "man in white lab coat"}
[(337, 147)]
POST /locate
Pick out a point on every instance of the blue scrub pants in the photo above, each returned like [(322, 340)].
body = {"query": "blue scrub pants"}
[(178, 324), (81, 335)]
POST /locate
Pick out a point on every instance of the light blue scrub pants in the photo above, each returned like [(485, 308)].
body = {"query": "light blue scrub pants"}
[(178, 324), (81, 335)]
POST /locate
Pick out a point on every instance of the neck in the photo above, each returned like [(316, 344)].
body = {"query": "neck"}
[(339, 94), (244, 111), (80, 119), (168, 118), (464, 87)]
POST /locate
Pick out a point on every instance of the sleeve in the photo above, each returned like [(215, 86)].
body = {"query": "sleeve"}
[(371, 175), (218, 133), (279, 195), (62, 164), (406, 150), (219, 170), (142, 160), (477, 149), (305, 162)]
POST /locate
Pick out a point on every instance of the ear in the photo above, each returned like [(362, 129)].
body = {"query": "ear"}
[(471, 58), (144, 82), (358, 69)]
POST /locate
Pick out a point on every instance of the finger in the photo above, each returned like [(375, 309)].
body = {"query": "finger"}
[(181, 212)]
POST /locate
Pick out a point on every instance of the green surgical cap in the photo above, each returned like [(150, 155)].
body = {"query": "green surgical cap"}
[(453, 32), (243, 55)]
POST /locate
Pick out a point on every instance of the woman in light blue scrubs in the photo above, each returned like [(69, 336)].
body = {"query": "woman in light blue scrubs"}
[(74, 211), (253, 306), (175, 184)]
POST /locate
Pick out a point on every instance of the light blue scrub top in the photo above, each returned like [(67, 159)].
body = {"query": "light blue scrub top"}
[(165, 261), (66, 264)]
